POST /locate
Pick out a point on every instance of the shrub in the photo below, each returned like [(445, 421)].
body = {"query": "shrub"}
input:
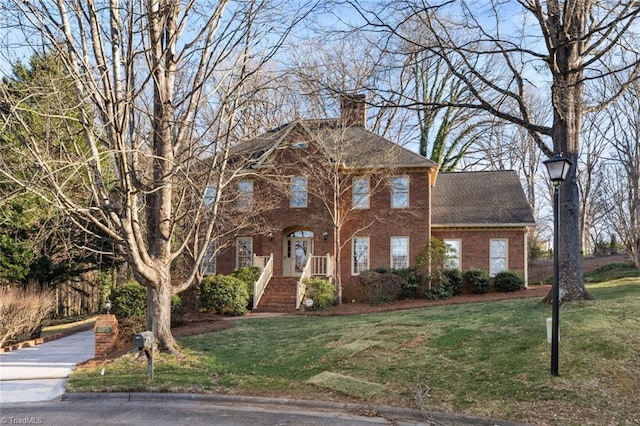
[(222, 294), (322, 292), (22, 311), (439, 287), (455, 280), (412, 282), (248, 275), (508, 281), (477, 280), (434, 254), (130, 300), (130, 326), (380, 287)]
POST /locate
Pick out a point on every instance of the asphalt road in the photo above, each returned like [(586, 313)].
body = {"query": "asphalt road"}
[(143, 413)]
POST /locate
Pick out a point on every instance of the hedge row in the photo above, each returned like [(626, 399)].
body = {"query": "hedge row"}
[(386, 285)]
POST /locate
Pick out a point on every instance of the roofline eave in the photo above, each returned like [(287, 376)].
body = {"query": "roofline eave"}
[(483, 225)]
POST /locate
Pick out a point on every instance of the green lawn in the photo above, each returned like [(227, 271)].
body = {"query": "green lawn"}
[(489, 359)]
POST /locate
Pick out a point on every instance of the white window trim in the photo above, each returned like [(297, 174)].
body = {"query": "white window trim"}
[(250, 240), (353, 251), (459, 252), (365, 199), (306, 193), (493, 273), (393, 192), (391, 251)]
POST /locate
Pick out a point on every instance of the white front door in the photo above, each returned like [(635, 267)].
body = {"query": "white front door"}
[(297, 251)]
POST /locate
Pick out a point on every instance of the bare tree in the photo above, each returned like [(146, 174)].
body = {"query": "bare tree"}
[(591, 178), (571, 43), (344, 179), (621, 190), (158, 87)]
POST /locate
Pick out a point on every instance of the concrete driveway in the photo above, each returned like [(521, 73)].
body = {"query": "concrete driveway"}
[(38, 373)]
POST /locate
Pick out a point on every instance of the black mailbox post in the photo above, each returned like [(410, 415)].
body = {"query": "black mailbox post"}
[(146, 341)]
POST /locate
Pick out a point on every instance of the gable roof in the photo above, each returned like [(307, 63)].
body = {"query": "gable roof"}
[(357, 147), (492, 198)]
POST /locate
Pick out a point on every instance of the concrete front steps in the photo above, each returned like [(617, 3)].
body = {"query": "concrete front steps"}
[(279, 296)]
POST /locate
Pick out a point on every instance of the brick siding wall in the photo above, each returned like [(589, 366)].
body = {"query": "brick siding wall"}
[(475, 246)]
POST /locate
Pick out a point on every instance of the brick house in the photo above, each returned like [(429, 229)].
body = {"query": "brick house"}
[(330, 198)]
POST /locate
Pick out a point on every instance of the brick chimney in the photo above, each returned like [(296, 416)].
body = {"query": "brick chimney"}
[(353, 110)]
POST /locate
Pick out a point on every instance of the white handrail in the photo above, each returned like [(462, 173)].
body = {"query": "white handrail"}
[(301, 288), (266, 264)]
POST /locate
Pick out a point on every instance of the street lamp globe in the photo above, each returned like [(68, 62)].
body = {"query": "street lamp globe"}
[(558, 167)]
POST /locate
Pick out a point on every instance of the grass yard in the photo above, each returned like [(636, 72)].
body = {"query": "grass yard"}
[(488, 359)]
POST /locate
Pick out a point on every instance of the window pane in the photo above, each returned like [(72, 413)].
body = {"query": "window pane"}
[(244, 252), (245, 195), (209, 260), (210, 195), (361, 193), (452, 260), (298, 191), (399, 252), (498, 256), (360, 255), (400, 192)]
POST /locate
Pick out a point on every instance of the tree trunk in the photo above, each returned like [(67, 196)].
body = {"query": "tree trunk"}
[(567, 95), (570, 256), (338, 264), (159, 315)]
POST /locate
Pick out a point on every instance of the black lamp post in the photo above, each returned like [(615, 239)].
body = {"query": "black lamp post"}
[(558, 167)]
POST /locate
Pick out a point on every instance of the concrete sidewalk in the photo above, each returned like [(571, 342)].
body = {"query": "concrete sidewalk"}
[(38, 373)]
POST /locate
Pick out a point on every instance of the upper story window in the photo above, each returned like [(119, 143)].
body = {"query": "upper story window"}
[(360, 191), (245, 195), (210, 193), (298, 192), (300, 145), (400, 192)]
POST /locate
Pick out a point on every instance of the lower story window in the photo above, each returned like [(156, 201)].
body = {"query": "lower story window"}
[(453, 253), (498, 255), (360, 255), (244, 252), (209, 260), (399, 252)]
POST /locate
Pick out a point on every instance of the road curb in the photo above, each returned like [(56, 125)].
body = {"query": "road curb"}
[(395, 413)]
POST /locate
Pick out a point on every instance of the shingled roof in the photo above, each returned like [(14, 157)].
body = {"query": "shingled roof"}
[(492, 198), (357, 146)]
